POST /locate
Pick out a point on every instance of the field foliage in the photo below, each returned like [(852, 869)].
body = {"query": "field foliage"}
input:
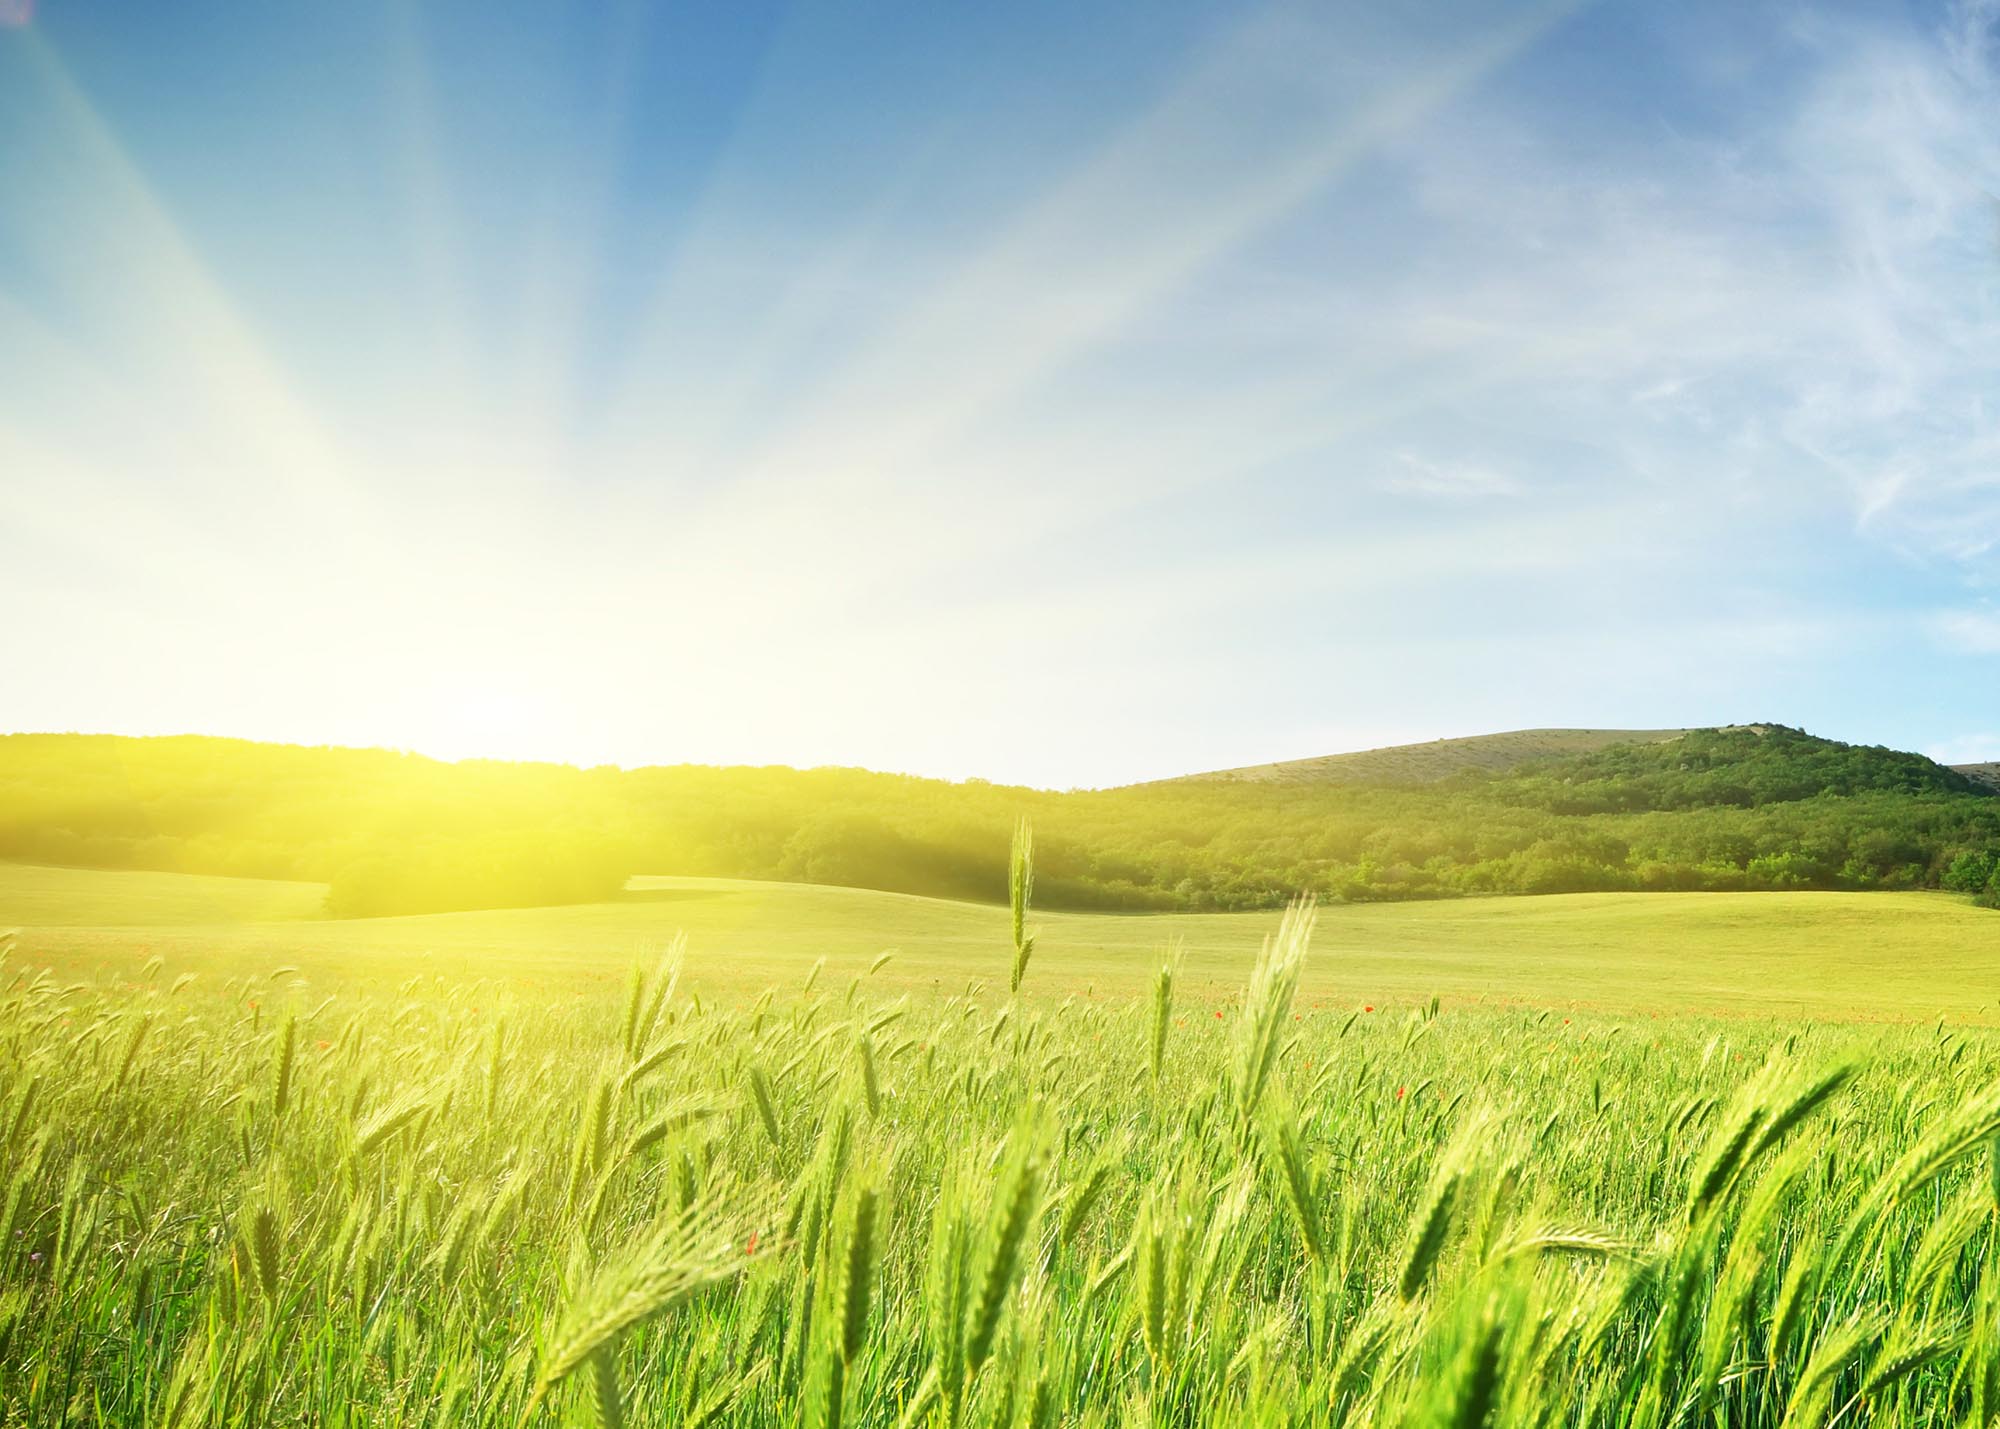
[(280, 1199), (1841, 956)]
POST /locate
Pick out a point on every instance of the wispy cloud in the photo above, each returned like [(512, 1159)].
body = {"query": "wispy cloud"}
[(1970, 632), (1507, 386), (1807, 306), (1448, 479)]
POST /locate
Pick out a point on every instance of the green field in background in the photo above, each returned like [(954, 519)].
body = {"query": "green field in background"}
[(1860, 956)]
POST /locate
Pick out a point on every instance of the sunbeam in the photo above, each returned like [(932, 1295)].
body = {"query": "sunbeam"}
[(691, 371), (1167, 195), (147, 306)]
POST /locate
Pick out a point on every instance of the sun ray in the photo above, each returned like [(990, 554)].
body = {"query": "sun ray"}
[(1127, 228), (123, 260), (434, 229)]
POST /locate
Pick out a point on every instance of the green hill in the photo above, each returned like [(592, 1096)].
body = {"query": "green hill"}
[(1745, 808), (1743, 766), (1435, 760)]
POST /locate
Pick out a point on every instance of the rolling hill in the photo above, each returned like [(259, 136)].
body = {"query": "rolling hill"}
[(1855, 957), (1987, 774), (1746, 808), (1434, 760)]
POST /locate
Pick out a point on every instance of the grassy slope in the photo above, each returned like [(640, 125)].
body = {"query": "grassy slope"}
[(32, 895), (1437, 759), (1837, 955), (1987, 774)]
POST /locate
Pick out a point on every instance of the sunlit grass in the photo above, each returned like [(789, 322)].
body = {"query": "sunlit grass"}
[(1857, 956), (290, 1197)]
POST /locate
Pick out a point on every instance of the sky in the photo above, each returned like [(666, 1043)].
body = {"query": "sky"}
[(1060, 393)]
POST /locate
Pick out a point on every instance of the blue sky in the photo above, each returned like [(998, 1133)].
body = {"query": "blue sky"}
[(1063, 393)]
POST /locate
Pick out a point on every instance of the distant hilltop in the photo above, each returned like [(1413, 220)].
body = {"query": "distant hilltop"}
[(1437, 759), (1987, 774)]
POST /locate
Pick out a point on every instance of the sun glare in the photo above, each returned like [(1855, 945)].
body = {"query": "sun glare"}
[(684, 682), (478, 720)]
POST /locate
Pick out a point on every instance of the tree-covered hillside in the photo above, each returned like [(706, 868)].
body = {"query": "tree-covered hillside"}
[(1747, 766), (1744, 808), (1434, 759)]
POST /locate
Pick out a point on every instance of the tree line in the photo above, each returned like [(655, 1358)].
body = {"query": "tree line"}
[(1739, 809)]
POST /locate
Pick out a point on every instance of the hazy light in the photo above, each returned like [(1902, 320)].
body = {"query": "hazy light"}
[(485, 721), (638, 446)]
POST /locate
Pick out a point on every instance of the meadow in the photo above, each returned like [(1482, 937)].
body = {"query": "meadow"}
[(1850, 956), (1022, 1170)]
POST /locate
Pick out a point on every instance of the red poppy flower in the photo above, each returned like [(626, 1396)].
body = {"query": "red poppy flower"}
[(1400, 1091)]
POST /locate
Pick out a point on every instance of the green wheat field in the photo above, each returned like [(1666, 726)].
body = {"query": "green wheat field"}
[(1301, 1169), (1109, 715)]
